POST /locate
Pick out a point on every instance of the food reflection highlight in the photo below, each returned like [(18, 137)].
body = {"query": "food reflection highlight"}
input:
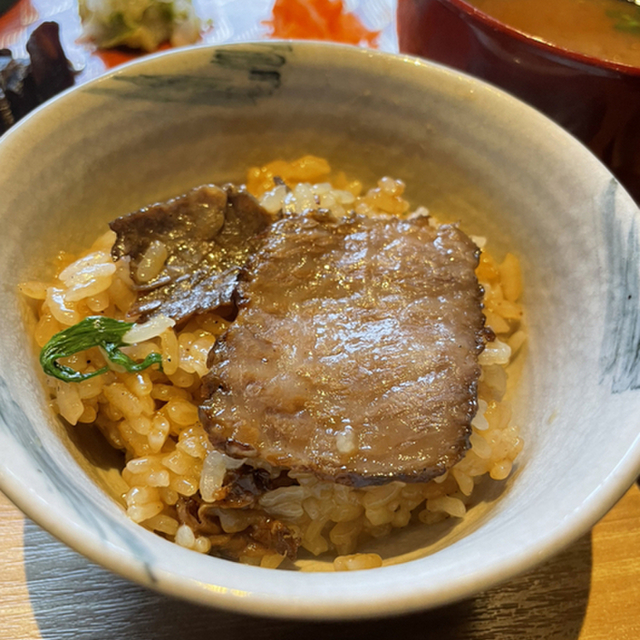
[(261, 435)]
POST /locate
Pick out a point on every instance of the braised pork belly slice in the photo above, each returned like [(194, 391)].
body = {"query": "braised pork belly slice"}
[(205, 237), (354, 354)]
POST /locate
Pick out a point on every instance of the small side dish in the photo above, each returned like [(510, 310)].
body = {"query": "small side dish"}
[(143, 24), (319, 20), (293, 365)]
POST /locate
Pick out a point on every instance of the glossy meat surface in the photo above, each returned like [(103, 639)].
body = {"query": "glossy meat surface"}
[(208, 234), (354, 353)]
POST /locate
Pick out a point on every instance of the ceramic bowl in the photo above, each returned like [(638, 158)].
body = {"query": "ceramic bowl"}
[(467, 151), (595, 100)]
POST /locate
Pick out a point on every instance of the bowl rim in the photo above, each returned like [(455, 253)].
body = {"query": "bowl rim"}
[(413, 597), (561, 53)]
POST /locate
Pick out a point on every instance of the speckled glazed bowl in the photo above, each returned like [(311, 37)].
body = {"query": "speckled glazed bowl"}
[(154, 128)]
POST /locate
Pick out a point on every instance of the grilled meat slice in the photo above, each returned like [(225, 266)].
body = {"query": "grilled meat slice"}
[(354, 352), (207, 234)]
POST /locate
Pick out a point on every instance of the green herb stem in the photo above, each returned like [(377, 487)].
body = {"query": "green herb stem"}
[(94, 331)]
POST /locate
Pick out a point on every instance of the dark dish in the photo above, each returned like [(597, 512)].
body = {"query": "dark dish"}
[(25, 84)]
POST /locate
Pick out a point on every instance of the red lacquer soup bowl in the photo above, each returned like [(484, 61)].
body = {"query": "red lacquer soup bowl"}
[(595, 100)]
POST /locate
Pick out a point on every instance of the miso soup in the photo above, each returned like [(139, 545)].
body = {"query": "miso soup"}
[(606, 29)]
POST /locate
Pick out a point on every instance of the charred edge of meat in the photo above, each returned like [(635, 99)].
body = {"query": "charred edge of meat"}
[(262, 536), (229, 446), (208, 234), (235, 449), (357, 481), (488, 335), (243, 487)]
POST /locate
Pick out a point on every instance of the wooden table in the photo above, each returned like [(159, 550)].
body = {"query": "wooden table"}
[(591, 591)]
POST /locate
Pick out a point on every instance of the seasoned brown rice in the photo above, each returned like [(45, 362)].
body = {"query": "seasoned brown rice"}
[(152, 416)]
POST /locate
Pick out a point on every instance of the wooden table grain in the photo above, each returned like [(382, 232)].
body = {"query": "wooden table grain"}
[(591, 591)]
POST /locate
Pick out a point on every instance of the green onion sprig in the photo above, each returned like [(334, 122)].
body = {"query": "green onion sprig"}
[(94, 331)]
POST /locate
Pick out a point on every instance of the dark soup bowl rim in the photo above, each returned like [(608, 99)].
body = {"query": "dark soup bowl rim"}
[(542, 45)]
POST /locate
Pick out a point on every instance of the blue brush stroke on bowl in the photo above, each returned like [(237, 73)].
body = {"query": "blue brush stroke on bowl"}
[(620, 355), (17, 425), (242, 76)]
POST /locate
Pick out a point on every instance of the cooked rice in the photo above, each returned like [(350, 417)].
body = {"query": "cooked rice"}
[(152, 416)]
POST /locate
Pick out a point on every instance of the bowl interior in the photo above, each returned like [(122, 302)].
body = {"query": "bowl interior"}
[(468, 152)]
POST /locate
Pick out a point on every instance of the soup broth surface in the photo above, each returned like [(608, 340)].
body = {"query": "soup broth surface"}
[(607, 29)]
